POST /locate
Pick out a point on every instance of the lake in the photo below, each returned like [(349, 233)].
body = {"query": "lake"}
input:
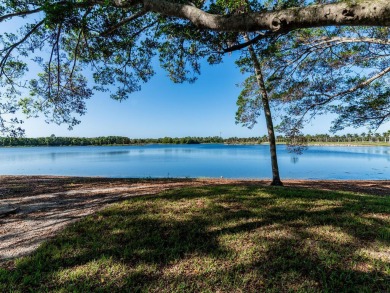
[(205, 160)]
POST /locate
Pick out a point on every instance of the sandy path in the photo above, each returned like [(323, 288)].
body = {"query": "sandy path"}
[(47, 204)]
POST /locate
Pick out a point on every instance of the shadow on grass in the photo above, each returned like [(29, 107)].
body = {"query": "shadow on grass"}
[(219, 238)]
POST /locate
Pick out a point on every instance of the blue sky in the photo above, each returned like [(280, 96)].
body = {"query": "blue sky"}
[(162, 108)]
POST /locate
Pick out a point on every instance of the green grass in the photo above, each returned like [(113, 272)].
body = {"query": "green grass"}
[(218, 239)]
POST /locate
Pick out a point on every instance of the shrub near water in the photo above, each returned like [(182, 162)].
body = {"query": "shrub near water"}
[(225, 238)]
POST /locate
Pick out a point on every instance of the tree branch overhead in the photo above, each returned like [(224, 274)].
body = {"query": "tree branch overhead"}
[(368, 13), (121, 39)]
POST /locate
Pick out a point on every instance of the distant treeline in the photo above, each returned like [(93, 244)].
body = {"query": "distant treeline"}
[(121, 140), (103, 140)]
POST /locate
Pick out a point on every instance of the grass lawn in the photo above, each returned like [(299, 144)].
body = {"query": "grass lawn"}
[(226, 238)]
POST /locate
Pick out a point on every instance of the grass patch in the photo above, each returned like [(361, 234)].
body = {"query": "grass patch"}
[(218, 239)]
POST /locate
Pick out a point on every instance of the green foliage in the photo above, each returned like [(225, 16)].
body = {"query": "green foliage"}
[(249, 103), (103, 140), (56, 13), (355, 139), (121, 45), (309, 72)]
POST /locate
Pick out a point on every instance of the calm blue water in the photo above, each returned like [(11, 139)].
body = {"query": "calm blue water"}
[(209, 160)]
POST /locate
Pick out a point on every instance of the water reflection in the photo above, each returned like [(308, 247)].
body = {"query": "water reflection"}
[(197, 161), (186, 151), (113, 153)]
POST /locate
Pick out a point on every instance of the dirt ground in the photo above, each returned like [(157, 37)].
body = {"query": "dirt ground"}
[(40, 206)]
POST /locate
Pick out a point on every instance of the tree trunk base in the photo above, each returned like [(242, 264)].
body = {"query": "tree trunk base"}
[(276, 182)]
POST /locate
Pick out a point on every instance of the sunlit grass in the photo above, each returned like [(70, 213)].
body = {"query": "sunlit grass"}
[(219, 239)]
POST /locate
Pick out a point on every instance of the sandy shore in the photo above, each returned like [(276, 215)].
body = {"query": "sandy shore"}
[(40, 206)]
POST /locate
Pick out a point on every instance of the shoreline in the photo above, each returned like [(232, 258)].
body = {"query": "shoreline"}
[(350, 144), (227, 180), (32, 180), (322, 144)]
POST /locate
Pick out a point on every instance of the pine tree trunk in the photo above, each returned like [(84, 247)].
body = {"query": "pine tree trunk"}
[(268, 116)]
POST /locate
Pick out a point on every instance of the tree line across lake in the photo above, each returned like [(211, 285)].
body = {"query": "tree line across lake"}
[(121, 140)]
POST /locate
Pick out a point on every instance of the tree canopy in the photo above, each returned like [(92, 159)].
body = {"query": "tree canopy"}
[(343, 71), (117, 40)]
